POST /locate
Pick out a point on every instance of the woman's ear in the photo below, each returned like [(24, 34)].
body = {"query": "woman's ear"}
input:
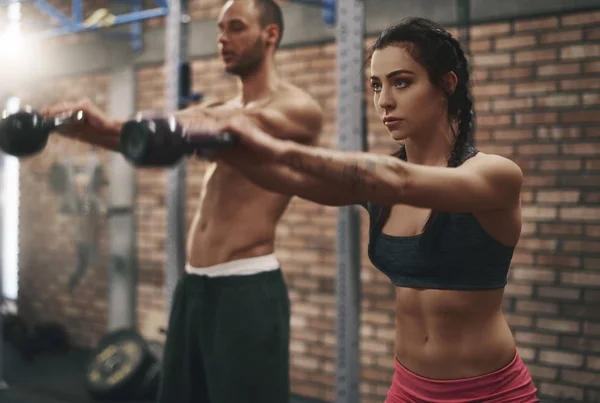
[(450, 81)]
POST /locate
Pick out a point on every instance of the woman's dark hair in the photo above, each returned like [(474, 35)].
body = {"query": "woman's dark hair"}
[(438, 52)]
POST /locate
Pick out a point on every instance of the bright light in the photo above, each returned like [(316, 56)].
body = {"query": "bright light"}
[(13, 105), (11, 40), (10, 227)]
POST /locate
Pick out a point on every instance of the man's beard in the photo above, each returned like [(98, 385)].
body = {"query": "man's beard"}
[(250, 61)]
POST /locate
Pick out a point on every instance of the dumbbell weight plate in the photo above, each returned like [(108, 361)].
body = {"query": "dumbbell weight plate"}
[(23, 134)]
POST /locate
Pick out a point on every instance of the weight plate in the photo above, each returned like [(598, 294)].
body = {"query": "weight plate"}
[(118, 365)]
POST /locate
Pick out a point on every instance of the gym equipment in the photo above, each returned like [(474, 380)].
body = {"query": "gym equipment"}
[(16, 332), (25, 133), (119, 366), (164, 141)]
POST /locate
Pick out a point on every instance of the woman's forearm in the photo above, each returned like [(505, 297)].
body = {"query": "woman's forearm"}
[(279, 178), (372, 177)]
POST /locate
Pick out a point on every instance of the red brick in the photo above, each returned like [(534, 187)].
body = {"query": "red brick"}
[(562, 293), (574, 278), (513, 134), (518, 290), (536, 24), (483, 45), (592, 198), (492, 60), (515, 42), (553, 101), (558, 132), (591, 296), (548, 308), (580, 213), (561, 391), (557, 260), (540, 55), (538, 87), (497, 149), (512, 73), (518, 321), (537, 244), (491, 121), (522, 257), (592, 132), (561, 358), (591, 328), (488, 30), (502, 105), (538, 275), (538, 149), (537, 339), (560, 229), (580, 52), (591, 99), (560, 165), (561, 36), (592, 165), (582, 246), (588, 116), (558, 69), (580, 84), (491, 90), (591, 67), (542, 372), (584, 180), (592, 231), (593, 363), (592, 34), (589, 17), (536, 118), (557, 197), (539, 181)]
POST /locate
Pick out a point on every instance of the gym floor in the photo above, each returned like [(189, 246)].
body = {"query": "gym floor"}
[(52, 378)]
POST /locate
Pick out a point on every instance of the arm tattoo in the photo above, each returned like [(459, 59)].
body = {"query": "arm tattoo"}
[(359, 172)]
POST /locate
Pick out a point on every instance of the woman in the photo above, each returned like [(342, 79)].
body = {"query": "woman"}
[(445, 218)]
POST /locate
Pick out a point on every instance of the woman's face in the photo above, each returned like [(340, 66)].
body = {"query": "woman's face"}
[(406, 101)]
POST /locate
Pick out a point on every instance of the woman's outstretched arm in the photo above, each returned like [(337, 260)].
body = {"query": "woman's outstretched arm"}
[(485, 182)]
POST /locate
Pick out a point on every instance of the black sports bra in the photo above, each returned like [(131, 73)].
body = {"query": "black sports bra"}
[(461, 255)]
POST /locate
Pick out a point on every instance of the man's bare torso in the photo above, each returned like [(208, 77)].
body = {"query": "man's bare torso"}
[(235, 218)]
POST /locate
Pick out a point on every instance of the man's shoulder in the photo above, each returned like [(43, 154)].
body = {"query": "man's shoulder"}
[(297, 101)]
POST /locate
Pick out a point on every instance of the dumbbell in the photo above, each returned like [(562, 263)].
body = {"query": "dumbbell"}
[(25, 133), (162, 141)]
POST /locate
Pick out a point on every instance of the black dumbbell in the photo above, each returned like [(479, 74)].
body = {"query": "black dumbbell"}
[(160, 142), (25, 133)]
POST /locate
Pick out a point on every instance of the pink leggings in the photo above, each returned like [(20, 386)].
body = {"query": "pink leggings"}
[(511, 384)]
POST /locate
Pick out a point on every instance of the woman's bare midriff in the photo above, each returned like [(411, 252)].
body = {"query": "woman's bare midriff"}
[(447, 334)]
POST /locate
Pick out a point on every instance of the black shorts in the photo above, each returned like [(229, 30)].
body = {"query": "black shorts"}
[(228, 340)]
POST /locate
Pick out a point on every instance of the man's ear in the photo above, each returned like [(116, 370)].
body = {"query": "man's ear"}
[(272, 34)]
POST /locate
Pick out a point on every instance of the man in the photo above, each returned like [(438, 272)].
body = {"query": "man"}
[(228, 332)]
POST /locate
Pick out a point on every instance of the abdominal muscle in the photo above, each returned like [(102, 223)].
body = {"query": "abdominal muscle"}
[(443, 334)]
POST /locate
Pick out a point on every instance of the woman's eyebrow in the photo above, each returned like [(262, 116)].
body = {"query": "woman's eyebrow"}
[(395, 73)]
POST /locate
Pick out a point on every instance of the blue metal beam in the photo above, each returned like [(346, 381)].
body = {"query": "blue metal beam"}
[(77, 10), (53, 12)]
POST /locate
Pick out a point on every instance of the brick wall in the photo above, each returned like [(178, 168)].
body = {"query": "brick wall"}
[(537, 101), (47, 235), (537, 96)]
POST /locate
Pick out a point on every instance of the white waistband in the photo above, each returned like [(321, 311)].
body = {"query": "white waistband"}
[(238, 267)]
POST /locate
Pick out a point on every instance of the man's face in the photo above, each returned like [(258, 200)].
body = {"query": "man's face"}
[(241, 44)]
